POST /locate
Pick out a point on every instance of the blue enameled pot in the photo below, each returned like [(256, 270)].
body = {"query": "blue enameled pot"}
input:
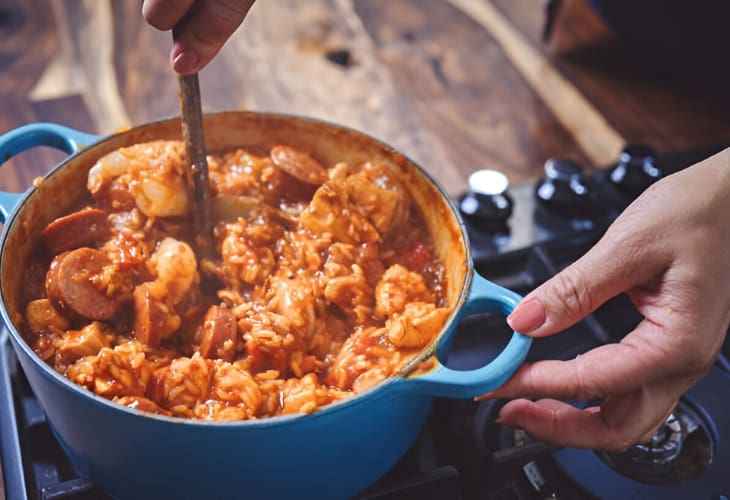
[(335, 452)]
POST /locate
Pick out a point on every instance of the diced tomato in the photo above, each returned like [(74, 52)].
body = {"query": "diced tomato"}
[(417, 257)]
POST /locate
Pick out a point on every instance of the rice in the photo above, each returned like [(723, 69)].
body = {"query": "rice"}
[(317, 296)]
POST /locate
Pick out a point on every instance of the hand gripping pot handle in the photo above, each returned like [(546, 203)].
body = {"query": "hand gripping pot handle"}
[(30, 136), (442, 381)]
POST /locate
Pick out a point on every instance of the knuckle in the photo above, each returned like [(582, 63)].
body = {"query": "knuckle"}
[(532, 379), (228, 14), (574, 298), (582, 388)]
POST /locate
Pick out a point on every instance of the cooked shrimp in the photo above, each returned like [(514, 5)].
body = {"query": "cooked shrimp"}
[(106, 169), (176, 269), (152, 172)]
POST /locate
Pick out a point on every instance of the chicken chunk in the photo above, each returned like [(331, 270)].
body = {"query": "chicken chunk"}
[(121, 371), (41, 315), (331, 211), (75, 344), (295, 298), (182, 385), (141, 403), (235, 386), (351, 293), (381, 196), (397, 288), (417, 325)]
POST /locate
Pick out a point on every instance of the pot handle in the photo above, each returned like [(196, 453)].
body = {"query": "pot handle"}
[(442, 381), (37, 134)]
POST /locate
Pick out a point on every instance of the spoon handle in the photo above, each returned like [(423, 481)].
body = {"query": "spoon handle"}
[(197, 171)]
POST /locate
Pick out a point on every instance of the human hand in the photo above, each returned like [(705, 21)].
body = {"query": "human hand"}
[(200, 27), (670, 252)]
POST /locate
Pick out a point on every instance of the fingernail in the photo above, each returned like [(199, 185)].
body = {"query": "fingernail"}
[(186, 62), (488, 395), (528, 316), (503, 421)]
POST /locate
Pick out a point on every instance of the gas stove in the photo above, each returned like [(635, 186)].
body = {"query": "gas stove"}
[(520, 237)]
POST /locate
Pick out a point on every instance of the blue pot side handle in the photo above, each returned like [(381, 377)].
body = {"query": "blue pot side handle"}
[(484, 296), (34, 135)]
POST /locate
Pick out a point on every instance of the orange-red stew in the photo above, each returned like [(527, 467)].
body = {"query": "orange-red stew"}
[(322, 283)]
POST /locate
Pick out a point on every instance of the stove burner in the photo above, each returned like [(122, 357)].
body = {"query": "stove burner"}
[(662, 449), (698, 469), (680, 450)]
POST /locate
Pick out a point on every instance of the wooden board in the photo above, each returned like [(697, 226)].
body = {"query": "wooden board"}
[(456, 85)]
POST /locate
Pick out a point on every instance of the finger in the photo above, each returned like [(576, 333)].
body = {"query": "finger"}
[(164, 15), (618, 262), (204, 31), (600, 372), (619, 423), (650, 433)]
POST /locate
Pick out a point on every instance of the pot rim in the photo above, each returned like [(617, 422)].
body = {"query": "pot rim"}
[(394, 383)]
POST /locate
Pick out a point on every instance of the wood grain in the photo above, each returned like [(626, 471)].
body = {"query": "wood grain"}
[(465, 88), (596, 137), (442, 81)]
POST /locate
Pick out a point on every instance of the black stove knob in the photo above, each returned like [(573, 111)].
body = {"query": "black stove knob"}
[(487, 204), (563, 190), (636, 170)]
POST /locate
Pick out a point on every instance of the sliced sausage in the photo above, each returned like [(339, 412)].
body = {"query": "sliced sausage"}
[(76, 285), (75, 230), (300, 174), (219, 334), (153, 320), (298, 164), (115, 198)]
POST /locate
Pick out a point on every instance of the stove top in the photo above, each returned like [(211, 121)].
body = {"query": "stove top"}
[(520, 237)]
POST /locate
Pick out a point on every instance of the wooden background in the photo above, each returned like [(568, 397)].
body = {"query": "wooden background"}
[(456, 85)]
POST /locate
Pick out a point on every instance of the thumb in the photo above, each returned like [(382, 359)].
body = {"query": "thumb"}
[(614, 265), (202, 33)]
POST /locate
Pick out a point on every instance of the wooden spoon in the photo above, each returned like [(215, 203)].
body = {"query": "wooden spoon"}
[(197, 171)]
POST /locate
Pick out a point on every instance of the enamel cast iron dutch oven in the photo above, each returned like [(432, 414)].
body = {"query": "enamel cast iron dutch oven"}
[(334, 452)]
